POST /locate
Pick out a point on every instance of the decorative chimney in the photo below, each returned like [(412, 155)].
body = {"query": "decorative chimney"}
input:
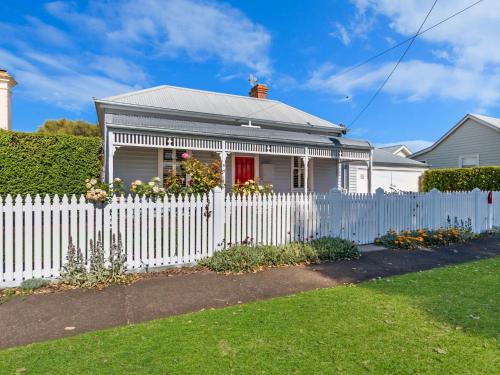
[(259, 91), (6, 85)]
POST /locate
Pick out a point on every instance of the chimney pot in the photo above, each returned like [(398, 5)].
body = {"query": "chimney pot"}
[(259, 91)]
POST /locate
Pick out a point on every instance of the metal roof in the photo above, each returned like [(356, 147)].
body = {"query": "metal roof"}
[(214, 103), (490, 120), (381, 156), (231, 131), (392, 148)]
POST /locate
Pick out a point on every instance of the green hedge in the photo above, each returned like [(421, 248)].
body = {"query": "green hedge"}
[(462, 179), (47, 164)]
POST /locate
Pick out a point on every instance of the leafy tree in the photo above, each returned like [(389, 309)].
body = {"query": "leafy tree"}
[(69, 127)]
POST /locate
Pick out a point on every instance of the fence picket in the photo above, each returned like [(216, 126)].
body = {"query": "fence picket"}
[(56, 237), (18, 239), (47, 244)]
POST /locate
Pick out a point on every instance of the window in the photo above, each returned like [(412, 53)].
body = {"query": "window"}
[(468, 161), (297, 173), (172, 163)]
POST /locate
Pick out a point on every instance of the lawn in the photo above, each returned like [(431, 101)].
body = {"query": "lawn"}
[(441, 321)]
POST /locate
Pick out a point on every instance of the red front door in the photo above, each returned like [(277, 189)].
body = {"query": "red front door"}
[(244, 169)]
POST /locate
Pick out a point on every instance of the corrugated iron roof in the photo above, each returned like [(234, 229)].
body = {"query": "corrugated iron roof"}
[(214, 103), (384, 157), (232, 131)]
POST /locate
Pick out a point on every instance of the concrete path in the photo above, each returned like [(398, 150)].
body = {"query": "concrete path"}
[(34, 318)]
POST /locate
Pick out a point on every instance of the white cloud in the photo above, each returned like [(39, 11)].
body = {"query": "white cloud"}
[(201, 30), (149, 29), (48, 78), (341, 33), (463, 63), (414, 144), (48, 33)]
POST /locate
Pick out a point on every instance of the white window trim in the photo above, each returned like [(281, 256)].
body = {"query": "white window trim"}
[(462, 157), (160, 162), (310, 175), (256, 168)]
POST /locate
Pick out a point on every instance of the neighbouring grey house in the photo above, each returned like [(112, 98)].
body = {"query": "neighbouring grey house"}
[(146, 131), (474, 141), (399, 150), (391, 171)]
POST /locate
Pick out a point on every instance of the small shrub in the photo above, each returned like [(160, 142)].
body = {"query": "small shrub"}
[(102, 271), (335, 248), (32, 284), (247, 258)]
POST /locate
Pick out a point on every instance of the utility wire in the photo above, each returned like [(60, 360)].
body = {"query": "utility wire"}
[(395, 66), (405, 41), (381, 53)]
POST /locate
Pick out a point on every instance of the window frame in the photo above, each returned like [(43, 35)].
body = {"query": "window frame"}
[(175, 162), (466, 156), (292, 168)]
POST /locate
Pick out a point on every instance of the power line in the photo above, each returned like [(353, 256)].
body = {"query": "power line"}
[(395, 66), (364, 62)]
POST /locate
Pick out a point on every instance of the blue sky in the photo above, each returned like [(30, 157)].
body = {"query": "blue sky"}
[(64, 53)]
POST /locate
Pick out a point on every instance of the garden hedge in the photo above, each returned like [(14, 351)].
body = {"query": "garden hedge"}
[(47, 164), (462, 179)]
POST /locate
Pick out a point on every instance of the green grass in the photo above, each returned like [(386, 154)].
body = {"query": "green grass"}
[(444, 321)]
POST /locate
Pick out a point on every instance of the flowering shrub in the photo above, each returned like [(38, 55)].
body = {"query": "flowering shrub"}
[(100, 192), (152, 189), (413, 239), (202, 177), (252, 187)]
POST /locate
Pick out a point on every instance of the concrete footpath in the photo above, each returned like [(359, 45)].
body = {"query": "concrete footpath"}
[(28, 319)]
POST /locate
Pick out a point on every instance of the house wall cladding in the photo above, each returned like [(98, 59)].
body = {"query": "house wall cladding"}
[(35, 233), (470, 138), (135, 163), (324, 175)]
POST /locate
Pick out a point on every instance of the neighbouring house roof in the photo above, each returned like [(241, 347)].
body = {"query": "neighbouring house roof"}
[(231, 131), (383, 157), (185, 101), (491, 122), (394, 149)]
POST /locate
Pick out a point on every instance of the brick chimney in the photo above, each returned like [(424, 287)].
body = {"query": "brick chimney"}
[(259, 91), (6, 85)]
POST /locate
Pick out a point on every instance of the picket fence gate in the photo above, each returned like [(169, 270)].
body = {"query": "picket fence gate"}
[(35, 233)]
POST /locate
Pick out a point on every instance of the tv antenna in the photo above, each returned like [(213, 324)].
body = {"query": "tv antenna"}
[(253, 80)]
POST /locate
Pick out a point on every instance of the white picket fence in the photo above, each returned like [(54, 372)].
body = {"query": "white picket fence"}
[(35, 234)]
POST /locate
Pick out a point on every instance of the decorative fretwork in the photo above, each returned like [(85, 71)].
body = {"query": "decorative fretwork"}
[(179, 142)]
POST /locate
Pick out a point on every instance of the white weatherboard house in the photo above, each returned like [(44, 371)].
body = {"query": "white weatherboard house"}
[(255, 138), (392, 171), (473, 142)]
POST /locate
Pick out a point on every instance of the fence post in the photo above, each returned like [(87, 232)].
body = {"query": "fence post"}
[(219, 217), (379, 204), (336, 201), (490, 210), (477, 210), (436, 208)]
